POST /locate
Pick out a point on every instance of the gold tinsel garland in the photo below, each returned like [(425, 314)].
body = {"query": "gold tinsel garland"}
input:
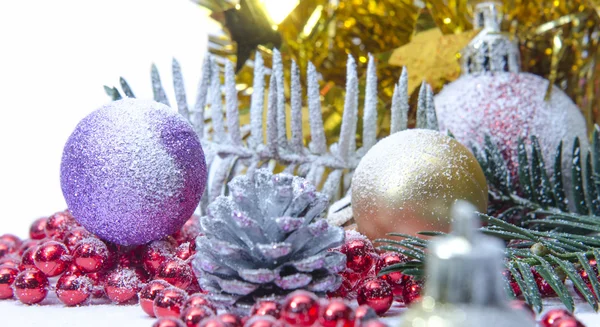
[(558, 40)]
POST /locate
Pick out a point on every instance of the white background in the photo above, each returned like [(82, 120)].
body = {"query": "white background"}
[(55, 56)]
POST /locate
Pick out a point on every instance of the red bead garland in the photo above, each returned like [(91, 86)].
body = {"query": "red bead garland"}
[(169, 302), (52, 258), (193, 315), (301, 308), (337, 313), (122, 285), (8, 275), (31, 286), (37, 231), (376, 293), (72, 289), (148, 294)]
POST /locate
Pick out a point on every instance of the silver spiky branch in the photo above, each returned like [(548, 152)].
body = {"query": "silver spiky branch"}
[(232, 149)]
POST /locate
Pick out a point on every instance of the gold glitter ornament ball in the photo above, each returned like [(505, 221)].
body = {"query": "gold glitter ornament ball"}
[(408, 182)]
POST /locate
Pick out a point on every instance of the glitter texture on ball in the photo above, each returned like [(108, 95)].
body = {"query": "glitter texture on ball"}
[(133, 171), (508, 106), (408, 182)]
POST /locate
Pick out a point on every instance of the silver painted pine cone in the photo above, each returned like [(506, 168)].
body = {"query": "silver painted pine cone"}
[(267, 238)]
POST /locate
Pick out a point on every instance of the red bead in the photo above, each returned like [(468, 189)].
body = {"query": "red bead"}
[(262, 321), (73, 290), (148, 294), (198, 300), (6, 248), (8, 275), (168, 322), (122, 285), (263, 308), (31, 286), (364, 313), (184, 251), (27, 244), (73, 236), (376, 293), (193, 315), (360, 255), (52, 258), (10, 238), (553, 316), (27, 259), (411, 292), (58, 225), (177, 272), (394, 279), (168, 302), (189, 231), (12, 260), (300, 308), (337, 314), (155, 254), (131, 257), (37, 231), (98, 279), (230, 320), (212, 322), (90, 255)]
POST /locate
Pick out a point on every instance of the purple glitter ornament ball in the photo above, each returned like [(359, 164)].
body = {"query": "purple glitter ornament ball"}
[(133, 171)]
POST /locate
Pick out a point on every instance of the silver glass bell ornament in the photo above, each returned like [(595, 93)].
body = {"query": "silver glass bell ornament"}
[(465, 286)]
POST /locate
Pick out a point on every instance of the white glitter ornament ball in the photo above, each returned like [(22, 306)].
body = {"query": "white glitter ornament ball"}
[(508, 106), (494, 98)]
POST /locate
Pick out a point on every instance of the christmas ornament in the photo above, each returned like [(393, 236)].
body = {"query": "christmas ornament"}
[(230, 320), (148, 294), (37, 231), (59, 224), (394, 279), (73, 290), (176, 272), (262, 321), (90, 255), (411, 290), (266, 308), (122, 285), (168, 322), (300, 308), (143, 164), (52, 258), (464, 282), (168, 302), (27, 258), (75, 235), (7, 278), (336, 314), (193, 315), (6, 248), (554, 315), (377, 294), (30, 286), (408, 181), (493, 98), (155, 254), (278, 217), (198, 300)]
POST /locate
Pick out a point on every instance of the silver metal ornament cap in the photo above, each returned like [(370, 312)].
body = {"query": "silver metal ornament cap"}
[(465, 266), (491, 50), (464, 285)]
